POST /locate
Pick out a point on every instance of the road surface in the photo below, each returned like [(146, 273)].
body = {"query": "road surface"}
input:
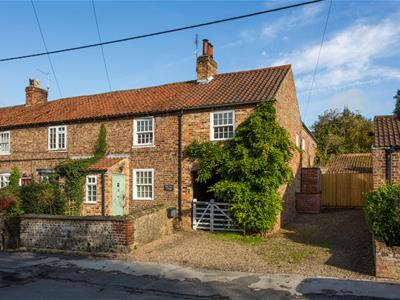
[(39, 276)]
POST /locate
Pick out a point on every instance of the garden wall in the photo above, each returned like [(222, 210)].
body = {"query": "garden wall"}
[(3, 233), (309, 198), (387, 259), (93, 234)]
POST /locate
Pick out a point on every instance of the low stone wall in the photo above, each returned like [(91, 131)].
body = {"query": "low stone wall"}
[(3, 233), (387, 259), (151, 224), (85, 234), (93, 234)]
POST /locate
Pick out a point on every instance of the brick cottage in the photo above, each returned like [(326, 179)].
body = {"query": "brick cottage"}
[(147, 131)]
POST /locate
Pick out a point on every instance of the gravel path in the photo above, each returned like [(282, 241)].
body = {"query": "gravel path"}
[(334, 243)]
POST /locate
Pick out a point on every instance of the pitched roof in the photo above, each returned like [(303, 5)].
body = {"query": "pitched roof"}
[(225, 89), (104, 164), (386, 131), (350, 163)]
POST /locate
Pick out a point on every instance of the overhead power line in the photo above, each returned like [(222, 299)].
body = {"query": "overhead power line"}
[(45, 47), (163, 32), (318, 57), (101, 46)]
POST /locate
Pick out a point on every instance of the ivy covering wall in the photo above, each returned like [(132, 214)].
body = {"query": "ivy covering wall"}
[(248, 170)]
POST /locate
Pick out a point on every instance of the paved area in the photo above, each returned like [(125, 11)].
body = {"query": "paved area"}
[(335, 243), (34, 276)]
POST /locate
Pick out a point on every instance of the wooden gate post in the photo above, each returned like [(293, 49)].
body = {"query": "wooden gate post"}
[(212, 215), (194, 203)]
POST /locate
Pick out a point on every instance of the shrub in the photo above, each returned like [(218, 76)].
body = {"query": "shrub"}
[(10, 195), (6, 202), (42, 198), (383, 213), (248, 170)]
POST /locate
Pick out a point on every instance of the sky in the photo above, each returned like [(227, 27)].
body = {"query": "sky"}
[(359, 64)]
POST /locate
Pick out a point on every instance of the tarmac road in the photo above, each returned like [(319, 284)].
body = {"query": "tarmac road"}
[(39, 276)]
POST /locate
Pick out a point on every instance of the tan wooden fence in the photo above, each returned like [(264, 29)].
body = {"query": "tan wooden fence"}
[(345, 190)]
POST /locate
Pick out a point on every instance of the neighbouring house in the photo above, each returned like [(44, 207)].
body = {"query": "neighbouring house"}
[(349, 163), (147, 130), (386, 150)]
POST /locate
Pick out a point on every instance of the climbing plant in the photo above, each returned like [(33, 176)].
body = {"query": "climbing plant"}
[(248, 170), (73, 173)]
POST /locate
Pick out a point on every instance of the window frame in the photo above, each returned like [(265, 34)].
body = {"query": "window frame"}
[(303, 144), (4, 175), (134, 188), (57, 138), (212, 138), (9, 143), (135, 132), (87, 189)]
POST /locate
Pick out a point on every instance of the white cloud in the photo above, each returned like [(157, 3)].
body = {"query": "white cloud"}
[(297, 19), (349, 57), (305, 16)]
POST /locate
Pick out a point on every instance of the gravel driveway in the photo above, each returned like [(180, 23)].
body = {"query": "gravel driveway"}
[(334, 243)]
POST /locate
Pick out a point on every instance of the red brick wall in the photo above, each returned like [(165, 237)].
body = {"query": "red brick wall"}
[(310, 180), (378, 167), (288, 114), (387, 259), (308, 156), (308, 203), (29, 148)]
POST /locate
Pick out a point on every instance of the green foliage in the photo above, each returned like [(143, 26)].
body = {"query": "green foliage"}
[(383, 213), (15, 176), (342, 132), (396, 110), (42, 198), (100, 149), (9, 195), (253, 240), (248, 170), (74, 172)]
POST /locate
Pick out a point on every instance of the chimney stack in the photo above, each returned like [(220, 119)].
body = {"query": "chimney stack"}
[(35, 95), (206, 65)]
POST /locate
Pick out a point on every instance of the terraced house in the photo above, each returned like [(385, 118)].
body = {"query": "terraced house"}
[(147, 130)]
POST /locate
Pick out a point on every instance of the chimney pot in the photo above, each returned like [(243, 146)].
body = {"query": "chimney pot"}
[(34, 94), (206, 65)]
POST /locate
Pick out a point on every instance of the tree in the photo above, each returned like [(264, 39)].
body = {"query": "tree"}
[(248, 170), (397, 105), (342, 132)]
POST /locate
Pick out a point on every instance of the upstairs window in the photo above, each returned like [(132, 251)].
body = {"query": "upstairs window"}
[(58, 138), (143, 132), (303, 145), (5, 142), (91, 189), (222, 125), (297, 140), (143, 184), (4, 179)]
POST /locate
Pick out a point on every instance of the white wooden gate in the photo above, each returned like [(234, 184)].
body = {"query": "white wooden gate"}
[(212, 216)]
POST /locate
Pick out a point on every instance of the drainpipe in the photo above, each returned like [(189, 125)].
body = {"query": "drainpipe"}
[(103, 208), (389, 165), (180, 165)]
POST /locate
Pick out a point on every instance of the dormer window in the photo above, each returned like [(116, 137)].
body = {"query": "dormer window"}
[(58, 138), (222, 125), (4, 142)]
